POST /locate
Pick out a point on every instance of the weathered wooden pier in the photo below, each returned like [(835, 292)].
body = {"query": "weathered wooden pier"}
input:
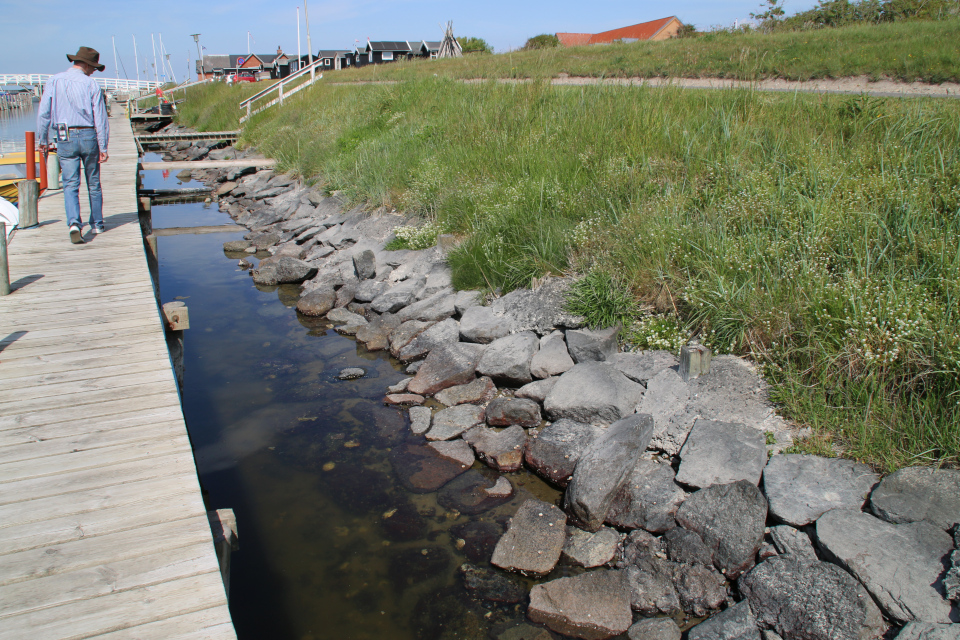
[(103, 530)]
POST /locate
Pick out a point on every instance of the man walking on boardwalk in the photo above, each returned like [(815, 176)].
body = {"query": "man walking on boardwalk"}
[(73, 106)]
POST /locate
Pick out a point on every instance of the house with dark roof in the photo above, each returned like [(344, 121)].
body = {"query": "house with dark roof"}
[(384, 51), (655, 30), (329, 59), (429, 48)]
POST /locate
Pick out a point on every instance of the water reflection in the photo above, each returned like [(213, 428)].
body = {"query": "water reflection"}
[(332, 544)]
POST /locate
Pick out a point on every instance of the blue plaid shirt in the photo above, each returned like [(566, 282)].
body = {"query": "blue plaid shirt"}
[(73, 98)]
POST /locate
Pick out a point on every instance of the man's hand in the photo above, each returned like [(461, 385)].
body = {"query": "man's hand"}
[(43, 148), (103, 156)]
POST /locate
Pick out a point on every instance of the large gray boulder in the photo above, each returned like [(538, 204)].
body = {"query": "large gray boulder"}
[(507, 359), (592, 392), (398, 296), (317, 302), (439, 306), (899, 564), (481, 324), (801, 488), (721, 453), (540, 310), (734, 623), (554, 452), (503, 412), (466, 299), (650, 583), (478, 391), (700, 589), (643, 365), (405, 333), (365, 264), (928, 631), (810, 601), (285, 270), (533, 540), (552, 359), (441, 334), (918, 493), (451, 422), (368, 290), (730, 518), (648, 500), (445, 366), (538, 390), (587, 345), (420, 419), (593, 606), (501, 450), (604, 468), (667, 399)]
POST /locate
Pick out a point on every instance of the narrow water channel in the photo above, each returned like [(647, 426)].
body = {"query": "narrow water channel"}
[(332, 545)]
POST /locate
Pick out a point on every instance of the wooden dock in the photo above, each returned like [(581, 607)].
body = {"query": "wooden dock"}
[(103, 530)]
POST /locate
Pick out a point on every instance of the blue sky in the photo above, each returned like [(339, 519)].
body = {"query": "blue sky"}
[(38, 33)]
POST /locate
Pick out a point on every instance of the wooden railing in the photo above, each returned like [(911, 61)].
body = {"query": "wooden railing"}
[(282, 89)]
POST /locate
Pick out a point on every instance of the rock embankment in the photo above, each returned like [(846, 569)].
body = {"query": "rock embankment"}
[(678, 503)]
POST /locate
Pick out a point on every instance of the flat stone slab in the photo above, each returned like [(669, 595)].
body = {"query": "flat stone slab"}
[(593, 606), (554, 452), (491, 585), (533, 540), (501, 450), (927, 631), (642, 365), (553, 358), (650, 583), (439, 306), (422, 469), (507, 359), (455, 450), (592, 392), (541, 310), (604, 468), (648, 500), (590, 549), (405, 333), (734, 623), (655, 629), (472, 493), (420, 418), (801, 488), (479, 391), (317, 302), (451, 422), (918, 493), (441, 334), (899, 564), (720, 453), (397, 399), (810, 601), (730, 518)]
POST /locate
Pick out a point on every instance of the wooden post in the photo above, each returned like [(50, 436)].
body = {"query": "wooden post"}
[(31, 155), (280, 89), (223, 525), (177, 316), (28, 191), (248, 111), (4, 269), (144, 212), (694, 361), (176, 320)]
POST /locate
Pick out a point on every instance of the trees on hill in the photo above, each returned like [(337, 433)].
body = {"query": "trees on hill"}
[(474, 45), (543, 41)]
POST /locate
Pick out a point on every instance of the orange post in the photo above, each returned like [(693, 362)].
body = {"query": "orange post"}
[(42, 156), (31, 155)]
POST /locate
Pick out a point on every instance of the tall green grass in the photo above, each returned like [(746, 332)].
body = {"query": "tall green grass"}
[(925, 51), (818, 234)]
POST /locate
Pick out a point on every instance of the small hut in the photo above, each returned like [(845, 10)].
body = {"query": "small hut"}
[(449, 48)]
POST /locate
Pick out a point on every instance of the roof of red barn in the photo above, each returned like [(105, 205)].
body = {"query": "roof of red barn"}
[(574, 39), (642, 31)]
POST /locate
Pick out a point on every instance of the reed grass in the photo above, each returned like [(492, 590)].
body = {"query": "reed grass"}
[(819, 235)]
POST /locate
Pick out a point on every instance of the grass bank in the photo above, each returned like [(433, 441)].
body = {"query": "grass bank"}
[(818, 234), (924, 51)]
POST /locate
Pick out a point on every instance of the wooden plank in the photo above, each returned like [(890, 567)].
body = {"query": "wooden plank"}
[(79, 401), (62, 415), (117, 611), (93, 509), (199, 625), (77, 360), (135, 417), (181, 231), (81, 376)]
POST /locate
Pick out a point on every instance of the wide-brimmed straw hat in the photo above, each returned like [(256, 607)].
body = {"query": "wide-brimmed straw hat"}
[(88, 55)]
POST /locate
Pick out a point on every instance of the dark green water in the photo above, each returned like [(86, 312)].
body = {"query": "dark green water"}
[(332, 546)]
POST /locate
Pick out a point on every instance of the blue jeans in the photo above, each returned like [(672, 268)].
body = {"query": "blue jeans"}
[(82, 147)]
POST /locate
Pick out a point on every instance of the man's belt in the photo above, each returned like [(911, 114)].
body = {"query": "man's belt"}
[(80, 127)]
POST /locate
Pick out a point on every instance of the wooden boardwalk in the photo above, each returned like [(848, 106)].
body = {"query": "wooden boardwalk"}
[(103, 531)]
